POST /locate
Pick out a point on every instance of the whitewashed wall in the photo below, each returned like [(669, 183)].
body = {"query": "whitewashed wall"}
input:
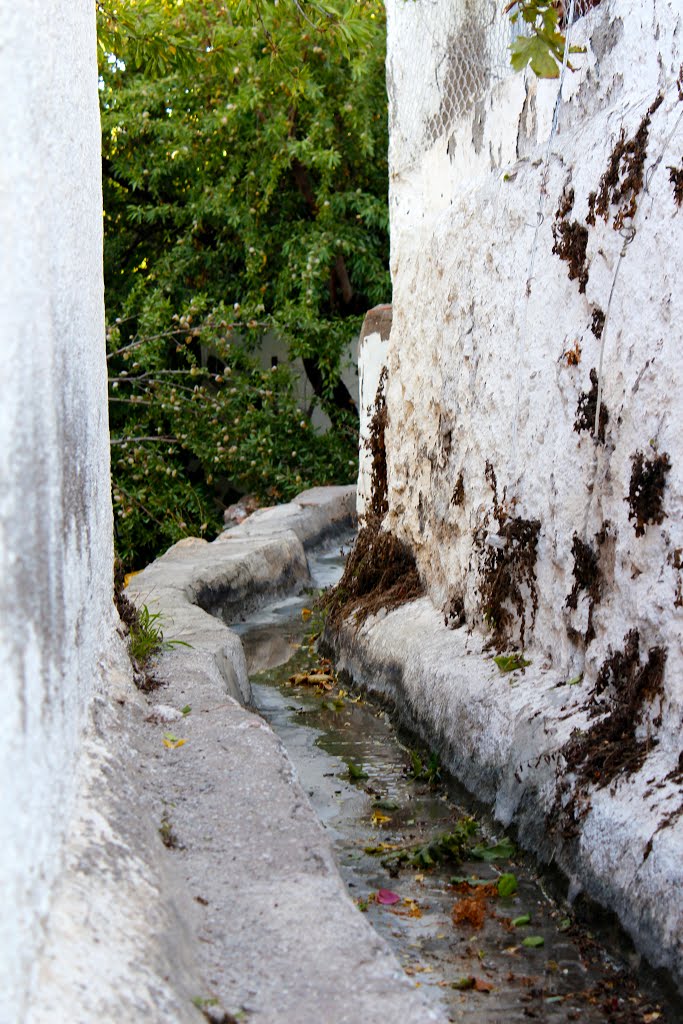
[(56, 612), (485, 315)]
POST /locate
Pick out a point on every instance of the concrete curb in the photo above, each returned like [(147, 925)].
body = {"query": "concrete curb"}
[(247, 908), (499, 734)]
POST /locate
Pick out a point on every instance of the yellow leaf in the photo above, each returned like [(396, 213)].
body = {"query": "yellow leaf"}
[(306, 613), (379, 819), (129, 576), (173, 744)]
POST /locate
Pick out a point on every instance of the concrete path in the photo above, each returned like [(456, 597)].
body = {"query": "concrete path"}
[(243, 910)]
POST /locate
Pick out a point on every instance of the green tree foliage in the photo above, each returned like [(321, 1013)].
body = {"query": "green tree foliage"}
[(245, 180), (542, 42)]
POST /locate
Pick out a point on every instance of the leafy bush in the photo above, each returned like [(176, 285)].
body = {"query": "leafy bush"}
[(245, 180)]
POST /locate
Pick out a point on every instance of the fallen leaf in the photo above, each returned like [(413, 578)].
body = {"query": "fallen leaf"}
[(534, 941), (507, 885), (482, 986), (357, 771), (469, 911), (385, 805), (306, 613), (501, 851), (510, 662), (172, 742), (379, 819), (408, 908), (387, 898), (519, 922), (649, 1018), (464, 983)]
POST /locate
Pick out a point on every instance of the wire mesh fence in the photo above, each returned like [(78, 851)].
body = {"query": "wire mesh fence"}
[(459, 51)]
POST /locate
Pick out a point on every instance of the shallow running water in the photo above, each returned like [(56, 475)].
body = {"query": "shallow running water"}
[(450, 928)]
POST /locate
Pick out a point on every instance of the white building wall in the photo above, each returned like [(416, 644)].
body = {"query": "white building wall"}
[(56, 612), (485, 316)]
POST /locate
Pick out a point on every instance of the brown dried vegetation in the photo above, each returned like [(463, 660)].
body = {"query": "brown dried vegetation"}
[(587, 579), (624, 690), (597, 322), (676, 179), (623, 181), (571, 240), (585, 410), (646, 490), (380, 573), (375, 444), (507, 578), (458, 497)]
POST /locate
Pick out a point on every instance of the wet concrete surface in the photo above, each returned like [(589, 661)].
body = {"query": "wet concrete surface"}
[(481, 956)]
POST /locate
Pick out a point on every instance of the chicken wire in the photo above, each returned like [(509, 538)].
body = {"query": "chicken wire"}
[(458, 51)]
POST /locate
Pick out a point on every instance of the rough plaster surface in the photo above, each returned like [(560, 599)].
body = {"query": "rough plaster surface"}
[(56, 612), (485, 318), (499, 734)]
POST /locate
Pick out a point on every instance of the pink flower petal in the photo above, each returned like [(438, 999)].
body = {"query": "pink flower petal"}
[(387, 897)]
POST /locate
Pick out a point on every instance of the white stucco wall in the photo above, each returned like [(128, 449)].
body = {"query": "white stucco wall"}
[(491, 349), (478, 366), (56, 612)]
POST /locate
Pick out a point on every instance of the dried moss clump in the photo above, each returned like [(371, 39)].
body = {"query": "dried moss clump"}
[(508, 571), (458, 497), (625, 689), (380, 574), (587, 578), (676, 179), (585, 410), (571, 240), (623, 181), (597, 322), (375, 444), (646, 491)]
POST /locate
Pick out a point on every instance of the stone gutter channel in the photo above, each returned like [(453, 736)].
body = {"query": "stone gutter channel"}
[(246, 911)]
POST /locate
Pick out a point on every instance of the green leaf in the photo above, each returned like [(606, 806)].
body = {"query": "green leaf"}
[(507, 885), (501, 851), (357, 772), (519, 922), (533, 941), (186, 710), (510, 662)]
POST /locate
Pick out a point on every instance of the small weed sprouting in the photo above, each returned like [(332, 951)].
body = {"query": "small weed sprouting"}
[(147, 637), (422, 770), (450, 847), (168, 836)]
